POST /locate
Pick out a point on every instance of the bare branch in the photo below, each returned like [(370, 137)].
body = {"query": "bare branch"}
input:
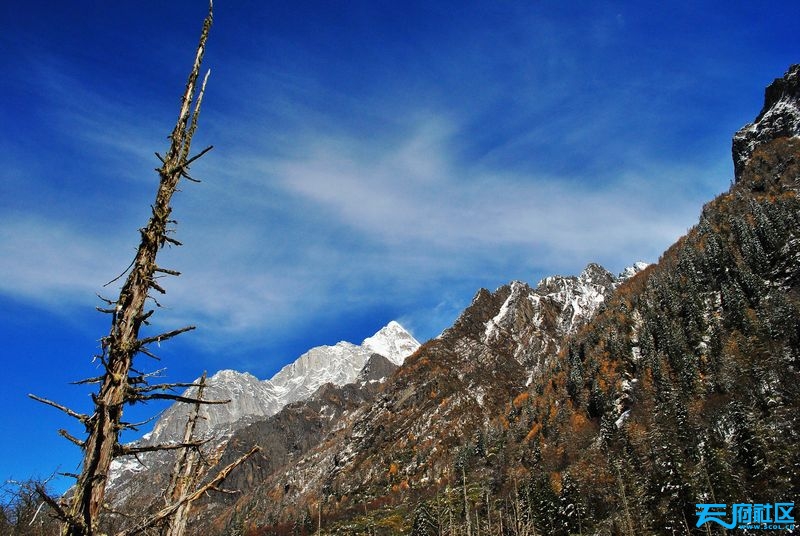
[(164, 387), (122, 274), (96, 379), (177, 398), (80, 416), (123, 450), (183, 172), (136, 425), (166, 271), (163, 337), (139, 460), (52, 503), (149, 354), (155, 286), (70, 437), (154, 374), (143, 317), (193, 127), (201, 153), (183, 167), (140, 378), (172, 241), (181, 142)]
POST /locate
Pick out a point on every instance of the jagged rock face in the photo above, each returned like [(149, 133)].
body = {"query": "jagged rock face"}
[(286, 436), (443, 393), (249, 398), (532, 322), (339, 364), (252, 399), (376, 370), (293, 431), (780, 117)]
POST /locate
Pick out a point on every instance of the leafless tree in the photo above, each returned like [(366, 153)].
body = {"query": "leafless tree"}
[(121, 382), (22, 511)]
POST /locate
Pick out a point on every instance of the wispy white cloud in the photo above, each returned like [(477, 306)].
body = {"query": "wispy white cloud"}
[(52, 263), (347, 222), (420, 196), (311, 218)]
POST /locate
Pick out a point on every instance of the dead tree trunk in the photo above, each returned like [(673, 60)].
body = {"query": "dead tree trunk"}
[(121, 383), (186, 472), (123, 342)]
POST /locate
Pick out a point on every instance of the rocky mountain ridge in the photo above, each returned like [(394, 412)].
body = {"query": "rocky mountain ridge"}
[(779, 118), (252, 398), (536, 319), (319, 434), (339, 364)]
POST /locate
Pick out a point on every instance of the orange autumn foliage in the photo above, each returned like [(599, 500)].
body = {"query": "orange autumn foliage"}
[(393, 469), (521, 399)]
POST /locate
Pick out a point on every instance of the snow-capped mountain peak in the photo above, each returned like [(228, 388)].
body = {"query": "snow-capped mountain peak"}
[(340, 364), (392, 342), (631, 271), (247, 395), (532, 321), (251, 399)]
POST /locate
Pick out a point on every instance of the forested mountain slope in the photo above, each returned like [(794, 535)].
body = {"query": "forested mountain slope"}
[(685, 388)]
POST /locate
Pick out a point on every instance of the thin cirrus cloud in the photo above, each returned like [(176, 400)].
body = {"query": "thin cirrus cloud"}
[(418, 196), (357, 226), (345, 222), (48, 262), (329, 211)]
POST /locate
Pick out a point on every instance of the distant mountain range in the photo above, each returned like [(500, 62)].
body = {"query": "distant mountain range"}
[(593, 404)]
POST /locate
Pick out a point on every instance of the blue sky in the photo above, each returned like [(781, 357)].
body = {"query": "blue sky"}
[(373, 161)]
